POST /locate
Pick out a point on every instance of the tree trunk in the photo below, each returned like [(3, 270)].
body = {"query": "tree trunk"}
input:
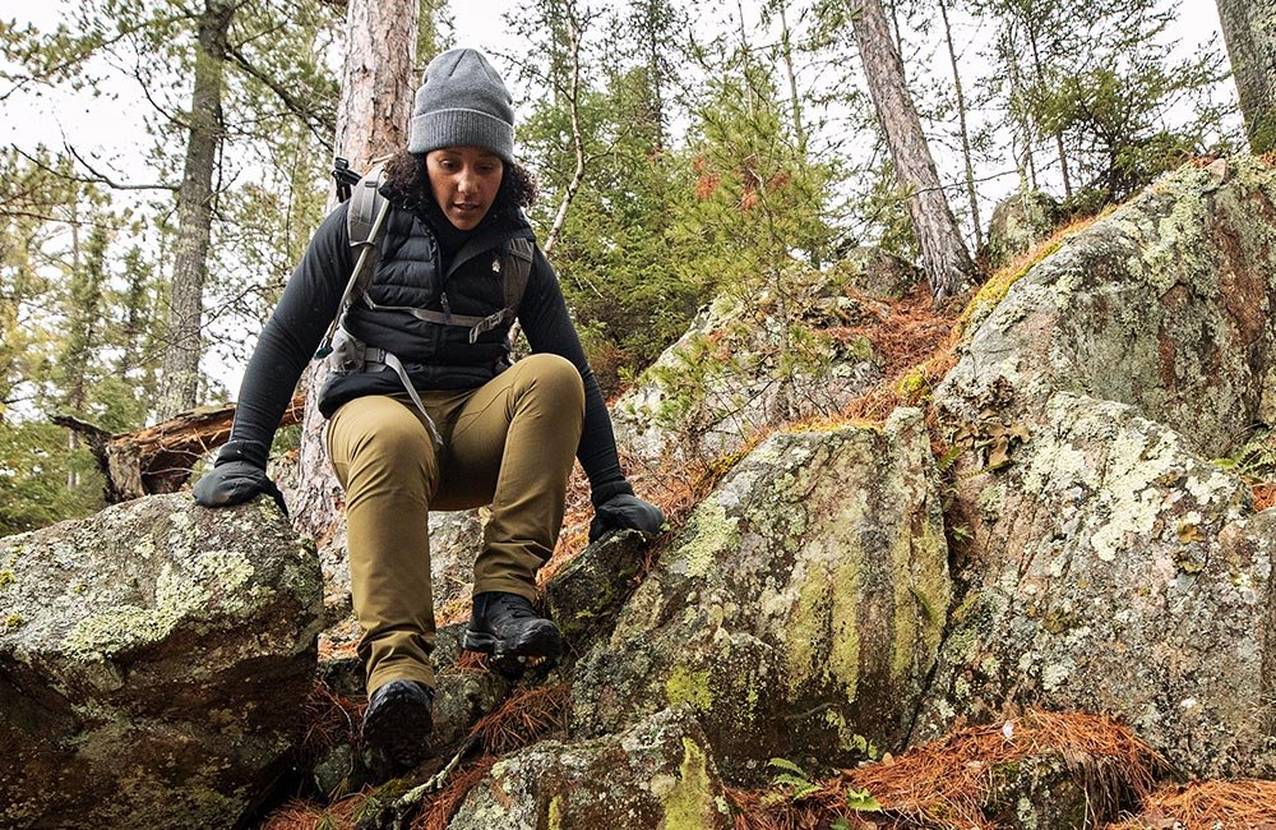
[(1249, 27), (795, 103), (180, 383), (944, 256), (578, 142), (965, 132), (1058, 136), (377, 91)]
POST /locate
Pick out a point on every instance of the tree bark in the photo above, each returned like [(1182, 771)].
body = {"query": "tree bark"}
[(180, 372), (377, 91), (159, 459), (1249, 27), (965, 132), (944, 257)]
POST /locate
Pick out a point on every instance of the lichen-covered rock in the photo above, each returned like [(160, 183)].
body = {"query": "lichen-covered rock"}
[(586, 596), (878, 273), (1019, 222), (1113, 570), (799, 611), (154, 663), (750, 362), (659, 773), (1165, 304)]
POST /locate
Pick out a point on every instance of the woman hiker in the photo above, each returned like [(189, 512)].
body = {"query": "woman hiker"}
[(430, 415)]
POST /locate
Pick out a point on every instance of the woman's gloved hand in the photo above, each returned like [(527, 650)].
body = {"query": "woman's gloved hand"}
[(234, 480), (625, 511)]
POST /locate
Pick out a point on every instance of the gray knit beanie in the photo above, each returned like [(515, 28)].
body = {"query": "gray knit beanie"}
[(462, 101)]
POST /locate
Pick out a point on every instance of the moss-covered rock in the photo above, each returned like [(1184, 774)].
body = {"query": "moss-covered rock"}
[(585, 597), (1019, 221), (1111, 568), (659, 773), (1115, 571), (799, 611), (159, 675)]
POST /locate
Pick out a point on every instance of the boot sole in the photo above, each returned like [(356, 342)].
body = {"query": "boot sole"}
[(400, 729), (544, 641)]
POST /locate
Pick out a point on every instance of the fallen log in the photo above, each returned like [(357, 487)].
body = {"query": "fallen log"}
[(159, 458)]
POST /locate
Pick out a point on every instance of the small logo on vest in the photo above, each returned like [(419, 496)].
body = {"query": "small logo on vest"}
[(496, 265)]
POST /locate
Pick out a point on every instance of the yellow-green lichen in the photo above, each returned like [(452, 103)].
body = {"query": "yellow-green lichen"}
[(712, 533), (12, 622), (218, 582), (825, 615), (689, 686), (690, 804), (6, 578), (555, 813)]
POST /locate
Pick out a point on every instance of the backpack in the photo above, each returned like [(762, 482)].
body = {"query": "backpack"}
[(365, 219)]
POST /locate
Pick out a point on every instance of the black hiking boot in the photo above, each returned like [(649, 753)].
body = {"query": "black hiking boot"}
[(398, 723), (507, 627)]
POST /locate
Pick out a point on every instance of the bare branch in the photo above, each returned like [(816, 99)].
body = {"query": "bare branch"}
[(102, 178), (560, 219)]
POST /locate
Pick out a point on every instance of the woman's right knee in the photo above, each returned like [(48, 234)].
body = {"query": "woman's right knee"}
[(386, 434)]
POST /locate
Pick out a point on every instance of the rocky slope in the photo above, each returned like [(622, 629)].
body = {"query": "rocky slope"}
[(1025, 601)]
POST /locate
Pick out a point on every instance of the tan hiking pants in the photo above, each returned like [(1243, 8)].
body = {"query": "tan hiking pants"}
[(510, 443)]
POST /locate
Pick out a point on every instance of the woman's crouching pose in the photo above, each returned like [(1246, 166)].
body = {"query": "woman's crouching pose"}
[(425, 411)]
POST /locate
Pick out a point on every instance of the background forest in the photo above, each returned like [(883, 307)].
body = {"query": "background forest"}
[(169, 160)]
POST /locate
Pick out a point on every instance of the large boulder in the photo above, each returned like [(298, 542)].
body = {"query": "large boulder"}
[(154, 663), (799, 611), (1165, 304), (1110, 566), (746, 363), (659, 773), (1118, 572)]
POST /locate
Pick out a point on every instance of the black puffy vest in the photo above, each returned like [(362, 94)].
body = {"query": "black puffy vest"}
[(436, 356)]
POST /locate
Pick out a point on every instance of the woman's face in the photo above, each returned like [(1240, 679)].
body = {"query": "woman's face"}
[(464, 181)]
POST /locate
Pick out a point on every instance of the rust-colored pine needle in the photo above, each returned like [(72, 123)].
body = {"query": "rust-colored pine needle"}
[(331, 718), (438, 813), (523, 718), (1264, 495), (1208, 805), (944, 784)]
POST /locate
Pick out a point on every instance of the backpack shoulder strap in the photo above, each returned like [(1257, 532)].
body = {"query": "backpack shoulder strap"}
[(516, 267), (366, 202), (365, 218)]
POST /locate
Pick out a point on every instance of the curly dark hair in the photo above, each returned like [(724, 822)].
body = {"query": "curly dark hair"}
[(407, 184)]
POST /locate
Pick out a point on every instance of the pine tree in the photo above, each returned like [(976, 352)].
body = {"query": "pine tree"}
[(944, 256)]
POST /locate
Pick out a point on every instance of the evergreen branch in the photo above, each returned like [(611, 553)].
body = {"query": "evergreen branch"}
[(314, 119), (88, 49)]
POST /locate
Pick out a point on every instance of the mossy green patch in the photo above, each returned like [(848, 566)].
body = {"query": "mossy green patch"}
[(689, 686), (12, 622), (6, 578), (690, 804)]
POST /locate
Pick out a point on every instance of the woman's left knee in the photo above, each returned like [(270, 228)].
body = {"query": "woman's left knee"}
[(556, 377)]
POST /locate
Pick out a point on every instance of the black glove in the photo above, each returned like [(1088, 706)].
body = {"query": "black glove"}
[(625, 511), (234, 482)]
